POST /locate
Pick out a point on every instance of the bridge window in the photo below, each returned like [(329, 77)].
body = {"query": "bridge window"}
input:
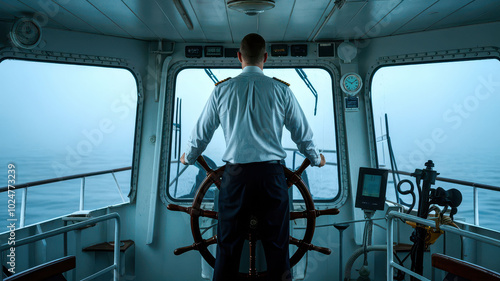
[(61, 120), (194, 86), (446, 112)]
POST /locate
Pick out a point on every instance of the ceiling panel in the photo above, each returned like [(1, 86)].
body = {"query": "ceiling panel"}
[(88, 13), (478, 11), (242, 24), (170, 11), (120, 14), (212, 17), (20, 10), (306, 17), (152, 15), (433, 14), (6, 12), (399, 16), (273, 23), (290, 20), (59, 14), (368, 16), (339, 22)]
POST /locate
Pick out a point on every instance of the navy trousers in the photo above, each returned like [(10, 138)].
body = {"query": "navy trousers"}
[(258, 190)]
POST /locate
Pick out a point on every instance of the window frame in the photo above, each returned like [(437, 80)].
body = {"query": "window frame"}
[(98, 61), (339, 122), (455, 55)]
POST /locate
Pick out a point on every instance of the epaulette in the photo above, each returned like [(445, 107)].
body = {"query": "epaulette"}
[(279, 80), (222, 81)]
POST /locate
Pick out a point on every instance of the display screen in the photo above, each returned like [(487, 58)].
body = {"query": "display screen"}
[(231, 52), (326, 50), (213, 51), (279, 50), (194, 51), (298, 50), (371, 185)]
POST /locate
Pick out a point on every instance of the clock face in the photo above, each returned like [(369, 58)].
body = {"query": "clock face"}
[(26, 33), (351, 83)]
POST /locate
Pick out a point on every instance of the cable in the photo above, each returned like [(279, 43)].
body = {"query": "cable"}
[(367, 233), (356, 254)]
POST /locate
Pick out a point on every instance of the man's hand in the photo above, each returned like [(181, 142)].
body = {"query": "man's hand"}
[(323, 161), (183, 159)]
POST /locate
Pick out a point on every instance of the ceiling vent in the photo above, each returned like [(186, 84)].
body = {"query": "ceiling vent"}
[(251, 7)]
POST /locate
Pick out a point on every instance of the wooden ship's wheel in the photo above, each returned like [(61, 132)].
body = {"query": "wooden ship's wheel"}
[(303, 245)]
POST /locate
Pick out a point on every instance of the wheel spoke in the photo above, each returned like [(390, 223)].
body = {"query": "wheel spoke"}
[(196, 246), (302, 215), (203, 164), (193, 211), (308, 246), (316, 213), (209, 214)]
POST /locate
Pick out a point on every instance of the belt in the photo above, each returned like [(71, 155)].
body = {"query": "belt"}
[(271, 162), (263, 162)]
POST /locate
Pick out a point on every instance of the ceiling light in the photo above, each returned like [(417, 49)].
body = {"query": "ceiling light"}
[(251, 7), (184, 15)]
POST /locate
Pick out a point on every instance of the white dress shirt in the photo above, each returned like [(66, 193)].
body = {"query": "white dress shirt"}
[(252, 110)]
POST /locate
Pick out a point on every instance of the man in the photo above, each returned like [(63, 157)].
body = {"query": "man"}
[(252, 110)]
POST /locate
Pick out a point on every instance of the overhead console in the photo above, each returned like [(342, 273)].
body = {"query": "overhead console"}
[(326, 50)]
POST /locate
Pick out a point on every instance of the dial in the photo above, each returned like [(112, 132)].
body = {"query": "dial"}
[(351, 83), (26, 33)]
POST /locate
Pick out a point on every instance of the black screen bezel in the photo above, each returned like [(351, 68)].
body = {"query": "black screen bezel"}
[(369, 202)]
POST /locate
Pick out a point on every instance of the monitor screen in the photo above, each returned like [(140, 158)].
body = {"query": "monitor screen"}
[(372, 185)]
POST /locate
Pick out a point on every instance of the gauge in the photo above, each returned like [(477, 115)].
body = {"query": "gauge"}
[(351, 83), (194, 51), (26, 33)]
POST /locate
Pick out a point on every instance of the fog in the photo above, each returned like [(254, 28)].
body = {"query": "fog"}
[(447, 111), (66, 116)]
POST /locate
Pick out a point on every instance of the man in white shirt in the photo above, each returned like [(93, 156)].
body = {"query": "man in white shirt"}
[(252, 110)]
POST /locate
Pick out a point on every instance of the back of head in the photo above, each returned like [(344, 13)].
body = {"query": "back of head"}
[(253, 48)]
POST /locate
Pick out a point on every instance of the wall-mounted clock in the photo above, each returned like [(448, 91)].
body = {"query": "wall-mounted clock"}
[(351, 83), (26, 33)]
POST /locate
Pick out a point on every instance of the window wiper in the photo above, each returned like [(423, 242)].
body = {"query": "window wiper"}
[(212, 76), (309, 85)]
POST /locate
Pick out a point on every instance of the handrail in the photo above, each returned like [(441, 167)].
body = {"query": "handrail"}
[(52, 180), (116, 253), (460, 182), (475, 186), (321, 150), (390, 254), (25, 186)]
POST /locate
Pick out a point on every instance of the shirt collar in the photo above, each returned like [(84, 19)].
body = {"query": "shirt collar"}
[(252, 68)]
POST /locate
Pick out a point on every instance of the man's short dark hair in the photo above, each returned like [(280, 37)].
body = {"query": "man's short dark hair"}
[(253, 48)]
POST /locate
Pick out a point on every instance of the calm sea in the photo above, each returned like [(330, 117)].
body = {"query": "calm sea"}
[(61, 198), (474, 165), (57, 199)]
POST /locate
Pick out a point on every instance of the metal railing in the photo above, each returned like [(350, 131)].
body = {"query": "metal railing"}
[(390, 254), (116, 250), (25, 186), (294, 157), (474, 185), (296, 152)]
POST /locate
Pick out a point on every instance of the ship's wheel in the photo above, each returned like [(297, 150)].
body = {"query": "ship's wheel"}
[(303, 245)]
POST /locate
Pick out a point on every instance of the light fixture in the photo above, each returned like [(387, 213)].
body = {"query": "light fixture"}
[(251, 7), (184, 14), (347, 51)]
